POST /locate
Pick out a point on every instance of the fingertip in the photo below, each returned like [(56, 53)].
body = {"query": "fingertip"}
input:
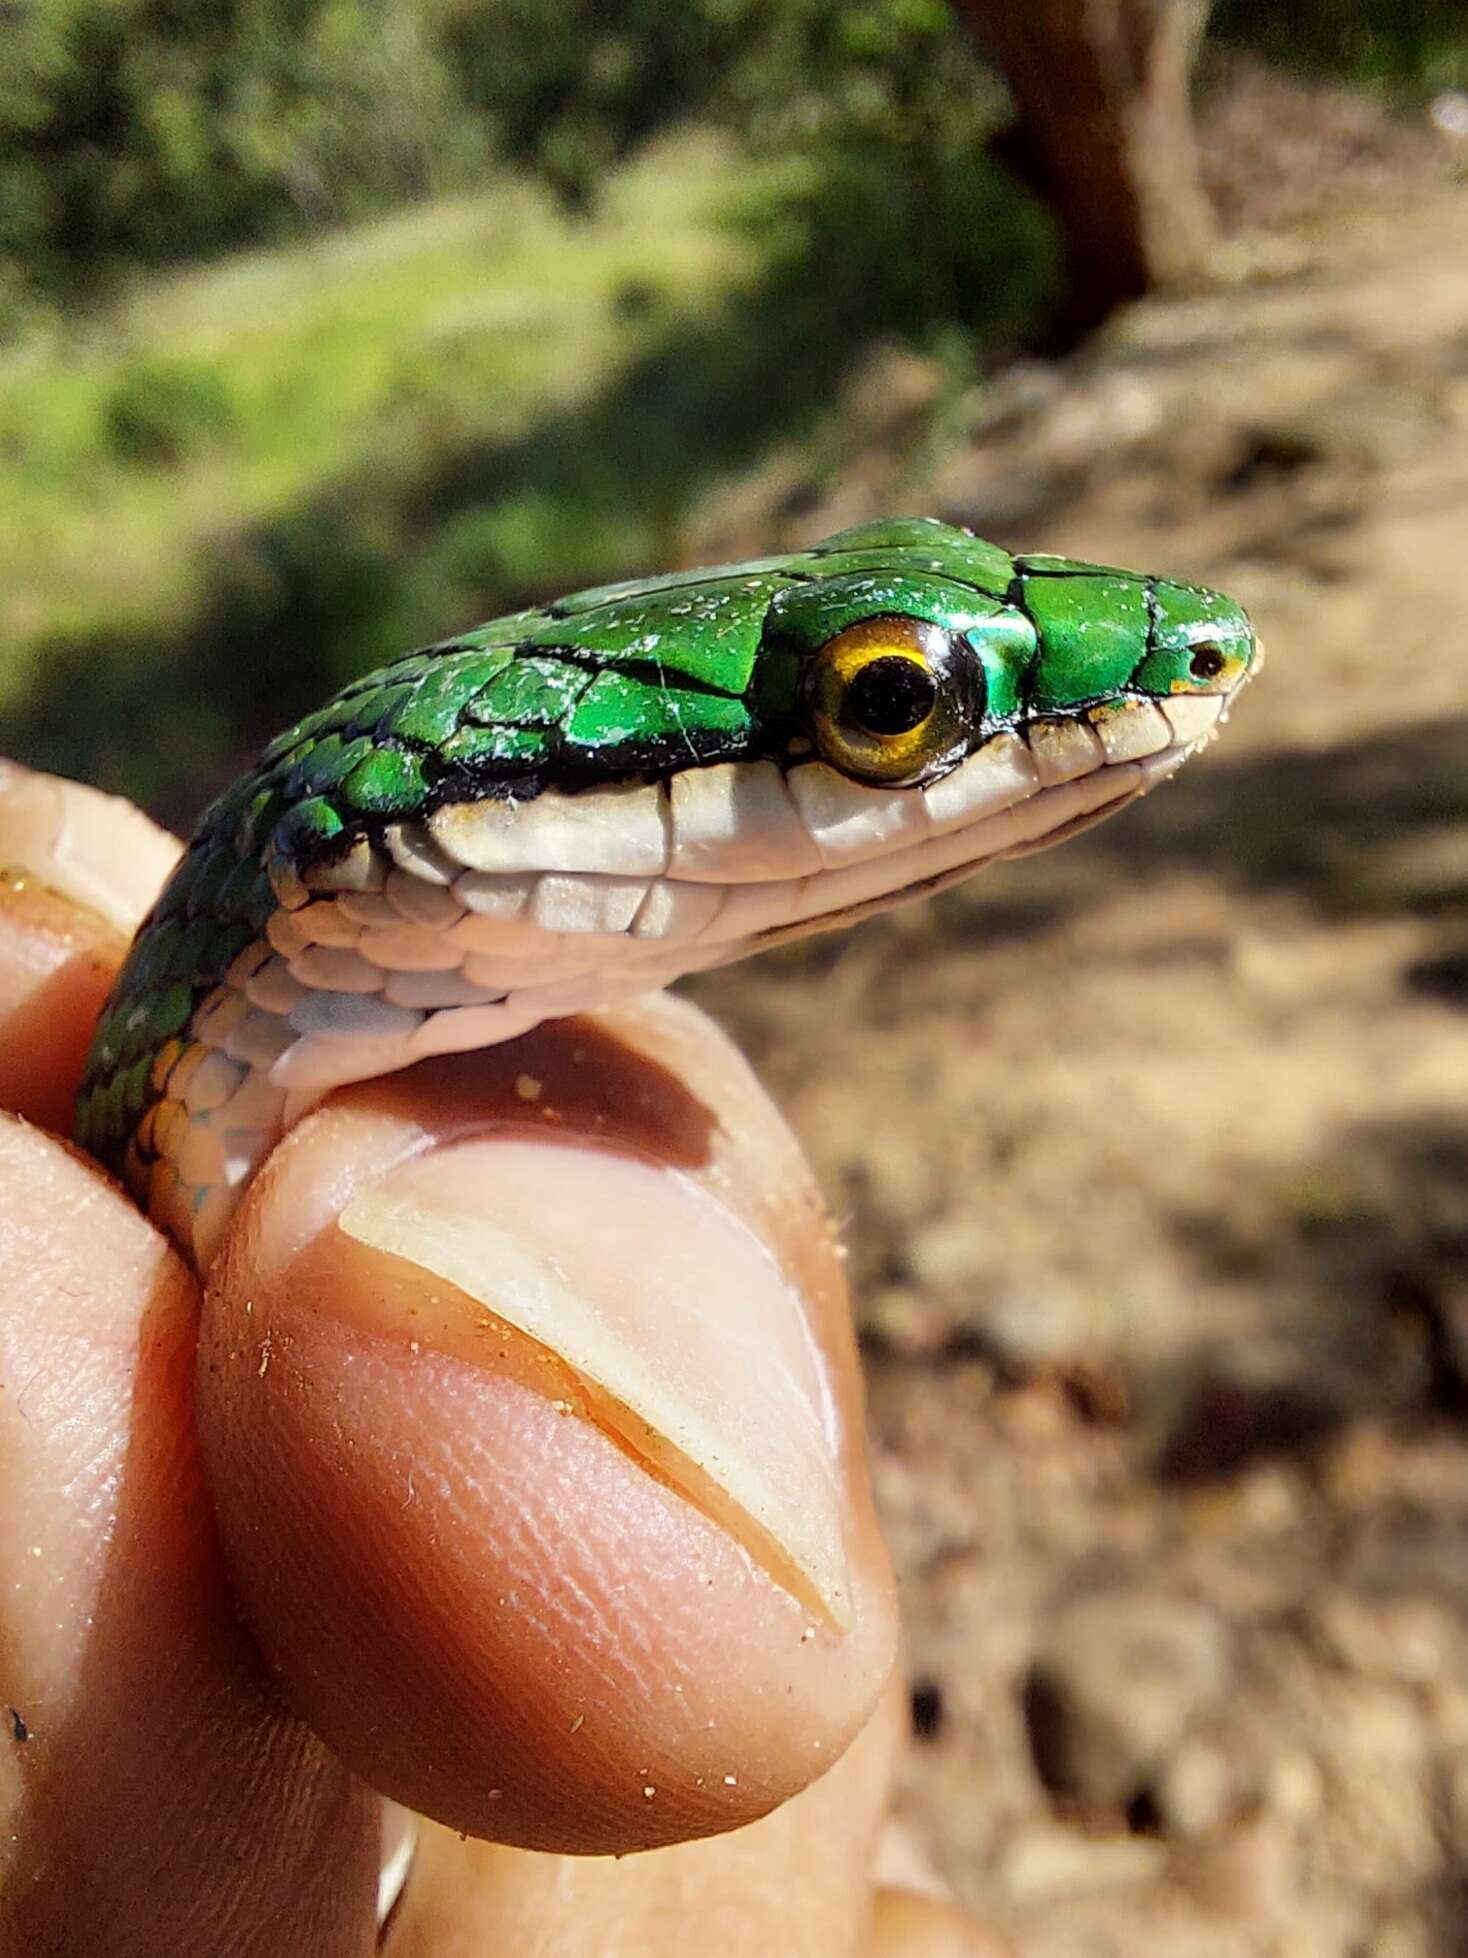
[(77, 871), (542, 1624), (96, 850)]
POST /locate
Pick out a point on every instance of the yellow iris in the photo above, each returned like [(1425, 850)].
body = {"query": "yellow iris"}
[(882, 701)]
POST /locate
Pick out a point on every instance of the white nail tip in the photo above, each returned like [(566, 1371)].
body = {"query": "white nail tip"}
[(732, 1410)]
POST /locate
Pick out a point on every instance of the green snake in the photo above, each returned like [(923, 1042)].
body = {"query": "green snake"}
[(581, 802)]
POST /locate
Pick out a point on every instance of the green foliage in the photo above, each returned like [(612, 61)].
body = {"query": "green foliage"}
[(142, 131), (570, 86), (878, 112), (138, 132), (1412, 46), (164, 411)]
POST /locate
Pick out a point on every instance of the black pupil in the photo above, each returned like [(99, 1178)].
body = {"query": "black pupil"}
[(1206, 663), (891, 695)]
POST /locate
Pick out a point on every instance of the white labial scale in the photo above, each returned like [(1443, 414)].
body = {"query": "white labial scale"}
[(1001, 775), (476, 934), (1192, 717), (361, 869), (1130, 730), (749, 909), (497, 897), (623, 829), (546, 945), (412, 848), (1137, 777), (847, 819), (1161, 768), (673, 911), (1087, 819), (1063, 749), (736, 823), (1039, 815)]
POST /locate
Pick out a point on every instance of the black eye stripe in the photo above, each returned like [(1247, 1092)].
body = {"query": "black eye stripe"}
[(889, 696)]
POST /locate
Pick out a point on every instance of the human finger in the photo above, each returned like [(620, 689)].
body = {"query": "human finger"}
[(534, 1420)]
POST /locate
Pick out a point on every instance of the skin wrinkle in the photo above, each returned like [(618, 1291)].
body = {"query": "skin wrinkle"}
[(538, 1537), (609, 1631)]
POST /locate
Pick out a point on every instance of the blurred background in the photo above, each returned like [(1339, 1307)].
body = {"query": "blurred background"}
[(328, 327)]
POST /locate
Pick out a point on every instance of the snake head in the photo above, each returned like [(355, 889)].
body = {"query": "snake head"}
[(895, 677)]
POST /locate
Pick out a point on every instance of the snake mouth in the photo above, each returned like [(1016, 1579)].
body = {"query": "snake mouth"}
[(1056, 813), (1050, 817)]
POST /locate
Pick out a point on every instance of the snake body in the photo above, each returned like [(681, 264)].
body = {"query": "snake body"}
[(573, 804)]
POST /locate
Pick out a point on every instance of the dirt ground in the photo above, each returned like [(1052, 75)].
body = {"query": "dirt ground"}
[(1153, 1151)]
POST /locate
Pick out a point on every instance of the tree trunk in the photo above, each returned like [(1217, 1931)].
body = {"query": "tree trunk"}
[(1106, 138)]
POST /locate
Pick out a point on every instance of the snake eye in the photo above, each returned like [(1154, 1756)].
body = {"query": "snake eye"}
[(1207, 662), (892, 699), (891, 695)]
